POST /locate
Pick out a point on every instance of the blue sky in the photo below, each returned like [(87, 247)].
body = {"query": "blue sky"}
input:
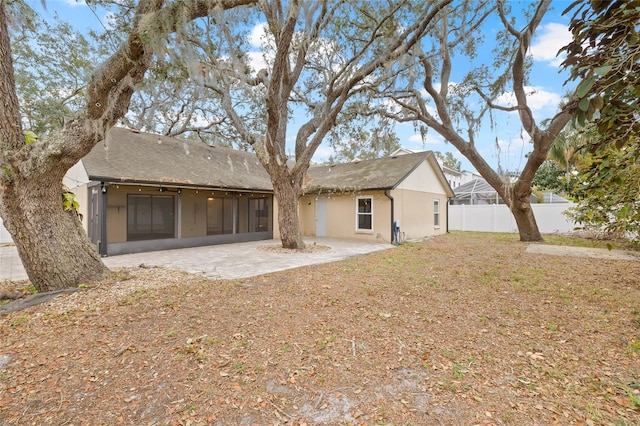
[(546, 83)]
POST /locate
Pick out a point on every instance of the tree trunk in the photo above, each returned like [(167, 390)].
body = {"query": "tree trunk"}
[(51, 242), (288, 220), (287, 194), (523, 214)]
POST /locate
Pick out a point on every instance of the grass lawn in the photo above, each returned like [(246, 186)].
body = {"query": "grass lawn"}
[(463, 329)]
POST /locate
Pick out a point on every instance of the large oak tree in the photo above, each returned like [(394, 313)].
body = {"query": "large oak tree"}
[(320, 57), (52, 244), (455, 110)]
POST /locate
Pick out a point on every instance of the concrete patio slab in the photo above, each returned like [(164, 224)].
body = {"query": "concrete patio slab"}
[(225, 261)]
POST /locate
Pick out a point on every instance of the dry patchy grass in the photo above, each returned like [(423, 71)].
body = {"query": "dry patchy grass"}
[(459, 330)]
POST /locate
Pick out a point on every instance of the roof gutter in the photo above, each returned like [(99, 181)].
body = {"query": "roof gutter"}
[(138, 182), (393, 222)]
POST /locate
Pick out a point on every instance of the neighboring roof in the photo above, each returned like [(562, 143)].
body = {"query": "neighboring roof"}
[(449, 170), (474, 190), (381, 173), (475, 186), (134, 157), (445, 169), (480, 189), (403, 151)]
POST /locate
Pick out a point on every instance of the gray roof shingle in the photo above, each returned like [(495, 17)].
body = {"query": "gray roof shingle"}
[(130, 156), (382, 173)]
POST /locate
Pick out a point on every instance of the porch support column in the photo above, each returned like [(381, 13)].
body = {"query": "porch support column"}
[(102, 245), (179, 215), (234, 213)]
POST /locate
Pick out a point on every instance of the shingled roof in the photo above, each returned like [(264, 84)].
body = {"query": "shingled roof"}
[(382, 173), (134, 157)]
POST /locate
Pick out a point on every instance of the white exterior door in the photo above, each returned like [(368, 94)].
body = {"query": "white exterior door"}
[(321, 217)]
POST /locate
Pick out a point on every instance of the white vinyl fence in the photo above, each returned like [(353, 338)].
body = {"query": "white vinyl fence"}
[(498, 218), (483, 218)]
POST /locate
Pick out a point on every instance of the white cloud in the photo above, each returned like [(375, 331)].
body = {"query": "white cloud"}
[(537, 98), (429, 139), (541, 99), (256, 61), (546, 44), (322, 154), (258, 35)]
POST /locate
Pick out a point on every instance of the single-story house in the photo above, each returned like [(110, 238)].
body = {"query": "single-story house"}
[(391, 198), (140, 192)]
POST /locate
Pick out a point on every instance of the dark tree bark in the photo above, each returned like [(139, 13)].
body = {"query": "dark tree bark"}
[(52, 244), (523, 213), (287, 193)]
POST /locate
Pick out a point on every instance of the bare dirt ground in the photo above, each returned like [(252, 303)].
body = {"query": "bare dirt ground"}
[(463, 329)]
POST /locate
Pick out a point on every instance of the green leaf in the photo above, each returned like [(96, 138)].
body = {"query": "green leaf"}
[(603, 70), (69, 201), (585, 86), (584, 104), (29, 137)]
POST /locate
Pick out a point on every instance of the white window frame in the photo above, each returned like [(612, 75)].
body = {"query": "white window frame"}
[(436, 213), (358, 213)]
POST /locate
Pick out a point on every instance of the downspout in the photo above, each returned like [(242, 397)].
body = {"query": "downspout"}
[(102, 248), (447, 221), (386, 193)]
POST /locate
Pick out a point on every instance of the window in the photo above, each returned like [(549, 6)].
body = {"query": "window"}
[(219, 215), (436, 212), (364, 215), (150, 217), (258, 214)]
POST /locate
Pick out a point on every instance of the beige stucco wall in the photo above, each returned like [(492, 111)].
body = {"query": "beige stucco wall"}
[(117, 212), (341, 216), (414, 203), (75, 176), (76, 180), (423, 179), (414, 213), (307, 214), (82, 197)]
